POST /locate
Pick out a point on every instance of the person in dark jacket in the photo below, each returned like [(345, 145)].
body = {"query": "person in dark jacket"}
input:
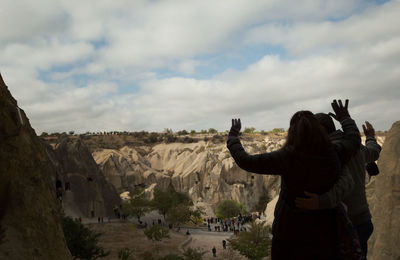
[(355, 199), (307, 162)]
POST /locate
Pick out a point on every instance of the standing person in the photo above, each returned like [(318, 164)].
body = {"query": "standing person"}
[(214, 251), (355, 199), (308, 161), (224, 244)]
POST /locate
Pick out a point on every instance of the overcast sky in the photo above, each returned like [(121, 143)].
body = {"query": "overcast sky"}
[(148, 65)]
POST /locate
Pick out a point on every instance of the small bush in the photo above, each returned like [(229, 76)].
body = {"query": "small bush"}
[(182, 132), (82, 242), (249, 130), (193, 254), (156, 233), (124, 253), (212, 131)]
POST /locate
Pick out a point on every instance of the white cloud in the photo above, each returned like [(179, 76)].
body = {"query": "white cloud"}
[(129, 41)]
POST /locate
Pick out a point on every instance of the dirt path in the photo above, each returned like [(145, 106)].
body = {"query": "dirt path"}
[(205, 240), (119, 235)]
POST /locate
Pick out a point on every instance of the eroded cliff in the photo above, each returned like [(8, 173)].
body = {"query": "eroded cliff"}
[(205, 170), (385, 200), (82, 187), (29, 212)]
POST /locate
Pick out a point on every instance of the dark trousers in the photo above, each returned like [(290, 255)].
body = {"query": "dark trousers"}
[(364, 231)]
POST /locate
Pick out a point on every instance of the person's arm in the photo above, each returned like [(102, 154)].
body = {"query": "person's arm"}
[(372, 149), (351, 141), (266, 163), (343, 186)]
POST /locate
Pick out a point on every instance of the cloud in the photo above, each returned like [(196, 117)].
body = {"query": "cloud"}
[(134, 65)]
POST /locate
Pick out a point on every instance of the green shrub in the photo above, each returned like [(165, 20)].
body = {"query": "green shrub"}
[(82, 242), (193, 254), (249, 130), (255, 243), (124, 253), (229, 209), (212, 131), (156, 233)]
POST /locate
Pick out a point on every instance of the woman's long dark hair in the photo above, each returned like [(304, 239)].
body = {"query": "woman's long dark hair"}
[(306, 135)]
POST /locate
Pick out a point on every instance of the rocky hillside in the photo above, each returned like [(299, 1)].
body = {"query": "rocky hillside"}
[(29, 213), (385, 200), (81, 184), (205, 170)]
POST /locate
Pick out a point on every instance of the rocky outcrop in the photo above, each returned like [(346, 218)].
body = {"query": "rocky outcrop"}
[(29, 212), (385, 201), (84, 190), (204, 170)]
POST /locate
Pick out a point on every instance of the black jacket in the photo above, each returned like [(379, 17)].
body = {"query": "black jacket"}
[(301, 172)]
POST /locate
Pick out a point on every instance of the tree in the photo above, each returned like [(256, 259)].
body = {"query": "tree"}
[(179, 214), (71, 132), (182, 132), (212, 131), (229, 209), (137, 205), (183, 213), (164, 201), (277, 130), (44, 134), (192, 132), (255, 243), (82, 241), (249, 130)]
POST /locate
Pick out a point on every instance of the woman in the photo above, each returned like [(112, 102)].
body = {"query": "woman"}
[(307, 162)]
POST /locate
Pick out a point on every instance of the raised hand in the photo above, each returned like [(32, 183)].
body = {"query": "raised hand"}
[(368, 129), (235, 128), (341, 111)]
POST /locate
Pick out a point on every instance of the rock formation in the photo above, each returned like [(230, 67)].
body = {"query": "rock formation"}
[(85, 192), (204, 170), (385, 201), (29, 214)]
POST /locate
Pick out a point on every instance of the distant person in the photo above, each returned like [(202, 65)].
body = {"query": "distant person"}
[(355, 200), (214, 251), (224, 244), (307, 162), (187, 232)]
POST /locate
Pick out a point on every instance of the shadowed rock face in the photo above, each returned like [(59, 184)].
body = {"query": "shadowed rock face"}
[(28, 207), (385, 202), (85, 191)]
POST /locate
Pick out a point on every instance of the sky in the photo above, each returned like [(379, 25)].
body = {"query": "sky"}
[(138, 65)]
